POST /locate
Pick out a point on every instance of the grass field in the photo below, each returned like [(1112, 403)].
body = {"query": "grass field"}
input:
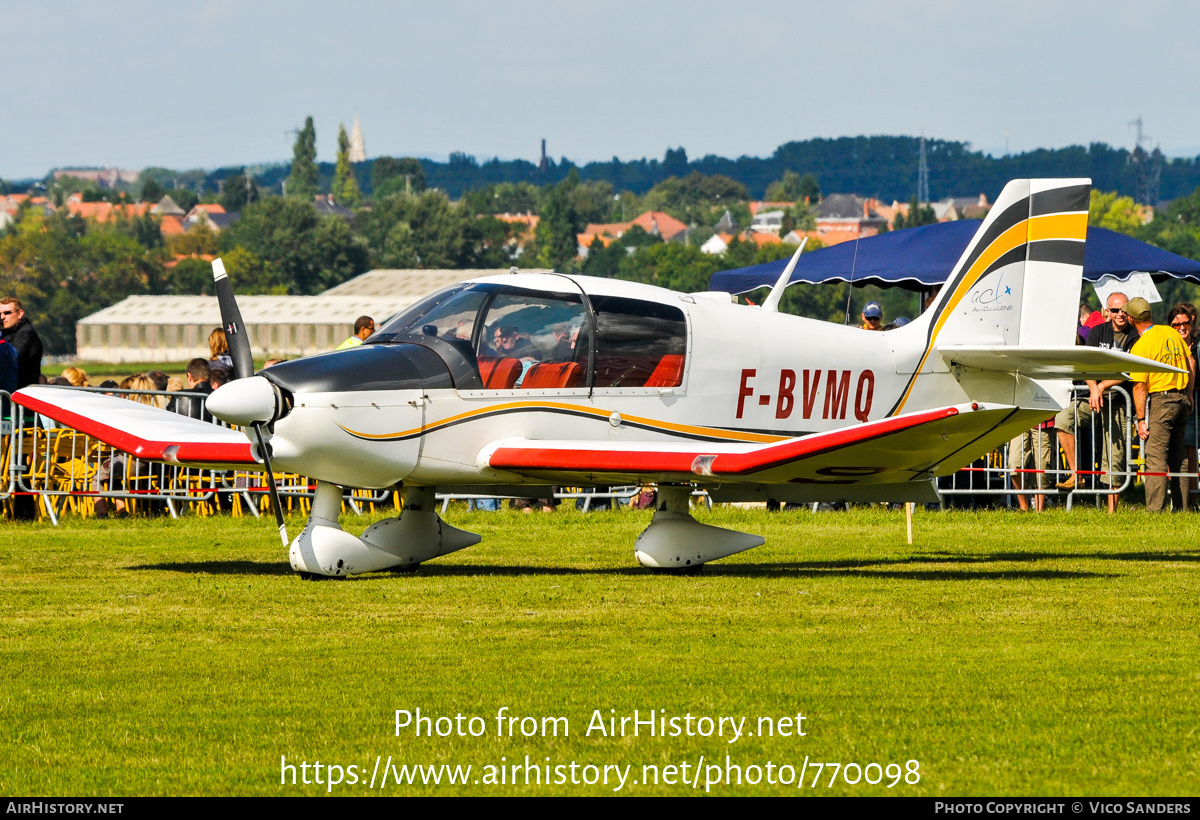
[(1007, 654)]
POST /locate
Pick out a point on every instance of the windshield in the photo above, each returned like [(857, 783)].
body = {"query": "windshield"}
[(496, 320), (441, 314)]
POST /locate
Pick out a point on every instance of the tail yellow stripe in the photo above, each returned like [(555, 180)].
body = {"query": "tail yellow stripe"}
[(1058, 226)]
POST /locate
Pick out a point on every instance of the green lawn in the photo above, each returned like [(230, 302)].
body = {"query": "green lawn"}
[(1008, 654)]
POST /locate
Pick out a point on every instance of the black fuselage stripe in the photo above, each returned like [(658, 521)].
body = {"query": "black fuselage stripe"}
[(438, 426)]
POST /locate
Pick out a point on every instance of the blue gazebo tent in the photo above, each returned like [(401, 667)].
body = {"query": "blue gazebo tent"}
[(922, 258)]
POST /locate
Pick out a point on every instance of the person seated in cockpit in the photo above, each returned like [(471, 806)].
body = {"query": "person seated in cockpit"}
[(510, 343), (565, 339)]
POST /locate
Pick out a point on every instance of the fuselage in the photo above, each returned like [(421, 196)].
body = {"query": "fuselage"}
[(648, 364)]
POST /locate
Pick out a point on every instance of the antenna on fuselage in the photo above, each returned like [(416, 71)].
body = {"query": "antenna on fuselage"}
[(771, 303)]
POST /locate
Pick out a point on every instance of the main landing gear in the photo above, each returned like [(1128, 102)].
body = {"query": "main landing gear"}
[(676, 541), (673, 542)]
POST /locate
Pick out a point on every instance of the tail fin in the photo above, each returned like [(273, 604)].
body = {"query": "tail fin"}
[(1019, 279), (1016, 285)]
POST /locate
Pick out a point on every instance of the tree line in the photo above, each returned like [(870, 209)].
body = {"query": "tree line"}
[(64, 267)]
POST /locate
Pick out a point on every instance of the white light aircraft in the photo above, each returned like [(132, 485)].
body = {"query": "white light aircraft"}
[(505, 383)]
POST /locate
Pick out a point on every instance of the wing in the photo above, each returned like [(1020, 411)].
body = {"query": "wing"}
[(912, 447), (140, 430)]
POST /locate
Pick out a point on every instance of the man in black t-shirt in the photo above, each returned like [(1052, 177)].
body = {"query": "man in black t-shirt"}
[(198, 375), (1118, 333)]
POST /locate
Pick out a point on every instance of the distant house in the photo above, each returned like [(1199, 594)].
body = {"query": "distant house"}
[(655, 223), (205, 208), (755, 207), (101, 212), (767, 221), (524, 227), (171, 225), (530, 221), (11, 204), (717, 244), (761, 238), (660, 224), (167, 206), (212, 215), (584, 242), (843, 217), (953, 208), (327, 207)]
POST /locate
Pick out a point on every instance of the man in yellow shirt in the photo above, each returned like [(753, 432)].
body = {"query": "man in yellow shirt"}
[(364, 326), (1163, 402)]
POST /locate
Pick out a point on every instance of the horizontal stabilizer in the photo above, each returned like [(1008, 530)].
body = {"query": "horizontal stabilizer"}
[(1051, 362), (912, 447), (141, 430)]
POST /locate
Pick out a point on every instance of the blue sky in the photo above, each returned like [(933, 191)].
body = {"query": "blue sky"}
[(206, 83)]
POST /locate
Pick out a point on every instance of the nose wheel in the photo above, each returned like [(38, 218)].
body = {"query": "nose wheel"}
[(398, 544)]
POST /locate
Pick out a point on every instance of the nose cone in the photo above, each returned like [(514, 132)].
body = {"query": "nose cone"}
[(244, 401)]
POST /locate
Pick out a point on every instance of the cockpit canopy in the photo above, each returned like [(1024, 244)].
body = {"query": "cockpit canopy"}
[(514, 337)]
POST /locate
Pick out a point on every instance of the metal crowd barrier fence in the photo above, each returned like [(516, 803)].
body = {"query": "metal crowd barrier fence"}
[(60, 469), (1107, 455)]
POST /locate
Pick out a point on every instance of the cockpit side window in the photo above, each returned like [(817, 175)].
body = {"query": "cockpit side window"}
[(638, 344), (523, 331)]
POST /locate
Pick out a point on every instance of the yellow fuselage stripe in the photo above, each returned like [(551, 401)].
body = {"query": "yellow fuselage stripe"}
[(707, 432)]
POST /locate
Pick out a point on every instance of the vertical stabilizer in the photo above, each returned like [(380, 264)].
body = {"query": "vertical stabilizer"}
[(1018, 281)]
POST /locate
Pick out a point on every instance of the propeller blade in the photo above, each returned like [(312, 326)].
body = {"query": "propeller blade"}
[(235, 328), (271, 488)]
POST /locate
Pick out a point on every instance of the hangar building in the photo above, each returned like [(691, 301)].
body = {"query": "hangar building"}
[(176, 328)]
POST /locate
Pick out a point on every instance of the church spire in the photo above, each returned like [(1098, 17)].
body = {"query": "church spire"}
[(358, 149)]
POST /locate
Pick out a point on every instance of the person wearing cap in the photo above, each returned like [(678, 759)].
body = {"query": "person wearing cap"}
[(1162, 402), (872, 316)]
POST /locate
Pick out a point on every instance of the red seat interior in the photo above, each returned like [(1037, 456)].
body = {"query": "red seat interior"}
[(499, 374), (561, 374), (669, 372)]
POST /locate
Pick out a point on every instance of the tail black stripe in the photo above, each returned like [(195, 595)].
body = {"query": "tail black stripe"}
[(1066, 251), (1071, 199)]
